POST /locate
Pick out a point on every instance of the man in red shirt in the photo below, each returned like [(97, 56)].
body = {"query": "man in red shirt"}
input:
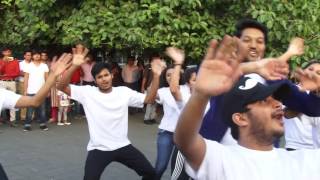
[(9, 71)]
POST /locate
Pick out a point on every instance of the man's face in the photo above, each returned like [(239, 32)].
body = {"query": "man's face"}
[(104, 80), (44, 57), (79, 48), (265, 119), (130, 62), (27, 56), (253, 39), (7, 53), (36, 57)]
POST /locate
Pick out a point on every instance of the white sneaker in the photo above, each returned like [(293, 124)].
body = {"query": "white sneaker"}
[(67, 123), (60, 124)]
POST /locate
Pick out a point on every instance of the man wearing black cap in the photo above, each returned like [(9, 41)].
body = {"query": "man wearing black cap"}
[(254, 113)]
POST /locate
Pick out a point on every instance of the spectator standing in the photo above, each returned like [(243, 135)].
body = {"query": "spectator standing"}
[(64, 103), (130, 74), (86, 67), (9, 71), (150, 113), (27, 55), (116, 72), (35, 76)]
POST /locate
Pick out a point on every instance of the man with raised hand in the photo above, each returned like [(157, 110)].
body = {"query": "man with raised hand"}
[(106, 110), (254, 113)]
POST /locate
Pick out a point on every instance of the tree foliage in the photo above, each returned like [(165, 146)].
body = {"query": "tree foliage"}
[(141, 24)]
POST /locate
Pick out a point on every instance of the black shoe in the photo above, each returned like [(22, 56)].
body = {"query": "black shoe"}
[(13, 124), (153, 121), (148, 122), (44, 127), (27, 128)]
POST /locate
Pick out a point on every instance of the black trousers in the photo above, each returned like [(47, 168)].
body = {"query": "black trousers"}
[(178, 171), (131, 157), (3, 175)]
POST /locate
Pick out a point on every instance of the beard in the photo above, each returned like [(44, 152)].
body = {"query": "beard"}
[(261, 133)]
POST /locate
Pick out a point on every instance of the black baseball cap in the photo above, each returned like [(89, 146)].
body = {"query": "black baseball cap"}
[(248, 90)]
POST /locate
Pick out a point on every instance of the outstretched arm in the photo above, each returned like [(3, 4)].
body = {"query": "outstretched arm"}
[(296, 48), (275, 68), (217, 74), (62, 64), (177, 56), (157, 67), (301, 101)]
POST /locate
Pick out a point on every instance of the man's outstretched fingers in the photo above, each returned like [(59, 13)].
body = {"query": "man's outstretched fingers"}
[(211, 50)]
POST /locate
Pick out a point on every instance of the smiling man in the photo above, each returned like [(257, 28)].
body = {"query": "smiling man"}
[(106, 110), (254, 37)]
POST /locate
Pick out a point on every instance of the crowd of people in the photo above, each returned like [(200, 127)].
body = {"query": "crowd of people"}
[(221, 120)]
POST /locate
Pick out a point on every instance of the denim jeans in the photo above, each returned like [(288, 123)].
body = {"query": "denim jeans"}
[(165, 147), (40, 112)]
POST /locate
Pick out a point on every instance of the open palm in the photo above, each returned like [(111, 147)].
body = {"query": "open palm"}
[(220, 67), (273, 69), (63, 63), (296, 47), (79, 57), (177, 55)]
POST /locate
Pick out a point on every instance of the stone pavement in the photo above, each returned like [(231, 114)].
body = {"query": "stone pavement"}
[(60, 153)]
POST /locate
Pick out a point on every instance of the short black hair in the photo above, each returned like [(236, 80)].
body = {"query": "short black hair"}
[(27, 51), (131, 58), (154, 56), (6, 48), (234, 131), (44, 51), (251, 23), (187, 74), (98, 67), (36, 51)]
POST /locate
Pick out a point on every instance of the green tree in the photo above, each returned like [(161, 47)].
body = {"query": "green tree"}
[(141, 24)]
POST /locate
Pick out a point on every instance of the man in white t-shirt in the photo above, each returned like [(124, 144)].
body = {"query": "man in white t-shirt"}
[(255, 115), (11, 100), (35, 76), (27, 55), (106, 110)]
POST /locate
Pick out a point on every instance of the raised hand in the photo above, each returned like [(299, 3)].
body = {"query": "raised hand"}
[(177, 55), (296, 47), (54, 60), (220, 67), (273, 69), (157, 66), (307, 81), (63, 63), (79, 56)]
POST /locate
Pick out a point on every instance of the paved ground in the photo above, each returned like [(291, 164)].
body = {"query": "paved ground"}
[(59, 154)]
